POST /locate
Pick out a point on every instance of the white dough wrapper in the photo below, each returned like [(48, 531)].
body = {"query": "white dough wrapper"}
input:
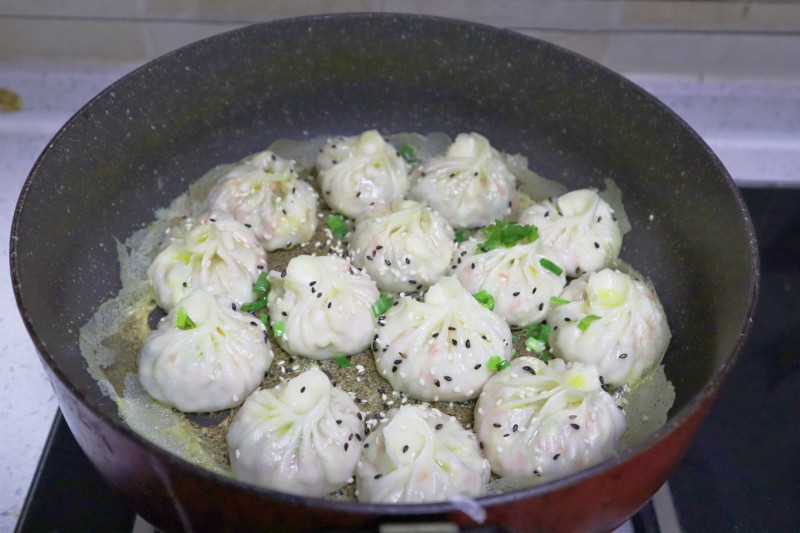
[(471, 185), (325, 305), (303, 437), (212, 366), (520, 285), (439, 349), (355, 172), (404, 246), (218, 254), (626, 333), (265, 191), (419, 455), (546, 420), (580, 227)]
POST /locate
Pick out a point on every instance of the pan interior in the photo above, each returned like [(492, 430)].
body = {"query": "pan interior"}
[(141, 142)]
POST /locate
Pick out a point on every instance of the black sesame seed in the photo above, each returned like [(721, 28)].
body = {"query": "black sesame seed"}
[(233, 306), (408, 261), (405, 448), (412, 281), (398, 361), (436, 382), (394, 369), (346, 445), (260, 267), (602, 381), (435, 335), (367, 444), (312, 283), (350, 437), (451, 328), (358, 194), (455, 342), (547, 214), (533, 291), (484, 337), (388, 263), (622, 355), (439, 426), (541, 306), (284, 313), (556, 456), (319, 294), (369, 258), (599, 218), (516, 293), (379, 247), (253, 323), (477, 366), (575, 426), (283, 274), (358, 437), (378, 476), (338, 421), (302, 390), (448, 378), (212, 219), (330, 304), (496, 424), (529, 370), (515, 428), (506, 435), (185, 284), (567, 319), (597, 244), (472, 266), (468, 344)]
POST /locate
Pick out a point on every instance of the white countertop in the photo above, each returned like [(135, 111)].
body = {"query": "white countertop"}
[(753, 126)]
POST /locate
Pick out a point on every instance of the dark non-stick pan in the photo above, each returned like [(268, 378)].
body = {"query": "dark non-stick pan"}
[(144, 139)]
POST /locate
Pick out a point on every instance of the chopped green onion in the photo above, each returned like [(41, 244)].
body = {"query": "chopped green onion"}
[(540, 332), (382, 305), (507, 234), (407, 153), (552, 267), (278, 329), (258, 305), (337, 226), (545, 357), (183, 321), (514, 338), (583, 325), (485, 299), (264, 318), (497, 363), (342, 361), (261, 286), (533, 344), (462, 234), (558, 301)]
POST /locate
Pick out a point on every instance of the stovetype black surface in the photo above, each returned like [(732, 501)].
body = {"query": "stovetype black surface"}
[(741, 473)]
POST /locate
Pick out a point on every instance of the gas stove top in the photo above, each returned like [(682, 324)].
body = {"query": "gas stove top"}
[(742, 472)]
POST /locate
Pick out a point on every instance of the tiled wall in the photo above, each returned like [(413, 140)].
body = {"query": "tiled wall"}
[(756, 39)]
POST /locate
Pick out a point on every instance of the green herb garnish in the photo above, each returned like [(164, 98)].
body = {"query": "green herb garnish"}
[(555, 300), (337, 226), (534, 345), (258, 305), (507, 234), (342, 361), (462, 234), (485, 299), (183, 321), (538, 332), (262, 286), (497, 363), (552, 267), (407, 152), (278, 329), (382, 305), (583, 325), (545, 357)]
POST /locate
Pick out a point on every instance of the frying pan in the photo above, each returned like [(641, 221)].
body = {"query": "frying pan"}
[(141, 142)]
